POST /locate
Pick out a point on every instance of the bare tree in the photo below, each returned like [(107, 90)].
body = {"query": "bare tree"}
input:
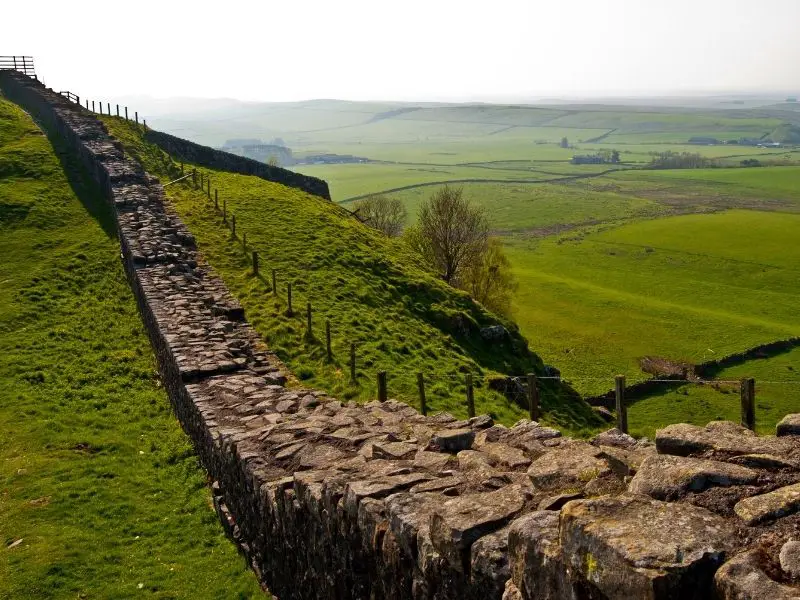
[(382, 213), (452, 234)]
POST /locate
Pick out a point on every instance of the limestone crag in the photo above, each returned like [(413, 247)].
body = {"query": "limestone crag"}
[(332, 499)]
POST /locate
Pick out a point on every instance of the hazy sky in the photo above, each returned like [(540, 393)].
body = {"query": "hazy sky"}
[(407, 49)]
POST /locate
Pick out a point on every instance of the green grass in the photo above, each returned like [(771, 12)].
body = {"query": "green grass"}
[(691, 287), (371, 289), (96, 477)]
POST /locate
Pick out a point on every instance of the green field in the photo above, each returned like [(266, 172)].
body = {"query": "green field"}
[(685, 264), (683, 288), (101, 495)]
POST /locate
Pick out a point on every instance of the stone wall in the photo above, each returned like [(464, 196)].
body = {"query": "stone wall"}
[(225, 161), (337, 500)]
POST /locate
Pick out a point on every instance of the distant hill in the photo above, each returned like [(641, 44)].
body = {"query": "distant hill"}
[(786, 134)]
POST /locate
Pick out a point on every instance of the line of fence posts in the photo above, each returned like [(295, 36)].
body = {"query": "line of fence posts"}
[(747, 385)]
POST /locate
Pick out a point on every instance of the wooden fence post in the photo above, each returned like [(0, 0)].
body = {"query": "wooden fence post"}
[(126, 114), (382, 393), (181, 168), (308, 317), (109, 108), (352, 362), (423, 407), (137, 116), (225, 210), (208, 181), (93, 110), (255, 263), (533, 397), (274, 283), (216, 199), (144, 124), (194, 177), (470, 396), (201, 180), (748, 395), (117, 109), (289, 295), (622, 409), (328, 339), (87, 105)]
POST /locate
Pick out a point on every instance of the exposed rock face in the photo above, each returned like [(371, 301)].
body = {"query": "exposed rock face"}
[(377, 501)]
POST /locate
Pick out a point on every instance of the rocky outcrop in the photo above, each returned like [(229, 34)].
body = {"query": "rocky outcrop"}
[(332, 499)]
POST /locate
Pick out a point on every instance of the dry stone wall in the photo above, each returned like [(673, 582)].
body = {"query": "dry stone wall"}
[(337, 500), (225, 161)]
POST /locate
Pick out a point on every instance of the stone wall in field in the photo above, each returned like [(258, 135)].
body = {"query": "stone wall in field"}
[(225, 161), (334, 500)]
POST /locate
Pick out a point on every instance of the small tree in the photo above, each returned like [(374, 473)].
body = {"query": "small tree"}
[(564, 142), (381, 213), (452, 234), (615, 156), (489, 279)]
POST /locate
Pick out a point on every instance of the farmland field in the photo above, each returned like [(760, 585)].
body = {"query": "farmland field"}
[(614, 261)]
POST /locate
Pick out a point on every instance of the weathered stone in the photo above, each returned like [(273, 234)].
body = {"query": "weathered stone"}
[(535, 559), (459, 522), (489, 563), (720, 436), (604, 540), (394, 450), (625, 462), (408, 512), (558, 501), (481, 422), (453, 440), (378, 488), (789, 425), (614, 437), (662, 476), (434, 461), (772, 505), (568, 468), (742, 578), (505, 455), (790, 558)]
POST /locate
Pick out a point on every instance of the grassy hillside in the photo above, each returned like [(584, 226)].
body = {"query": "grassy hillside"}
[(100, 493), (371, 289)]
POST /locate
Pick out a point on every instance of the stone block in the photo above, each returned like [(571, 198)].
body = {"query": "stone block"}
[(664, 476), (635, 547)]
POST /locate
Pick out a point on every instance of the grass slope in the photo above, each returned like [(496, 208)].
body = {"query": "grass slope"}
[(98, 484), (403, 320)]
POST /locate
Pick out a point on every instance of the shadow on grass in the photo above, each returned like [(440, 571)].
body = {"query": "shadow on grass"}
[(84, 187)]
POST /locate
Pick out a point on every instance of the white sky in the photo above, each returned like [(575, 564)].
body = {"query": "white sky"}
[(407, 49)]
